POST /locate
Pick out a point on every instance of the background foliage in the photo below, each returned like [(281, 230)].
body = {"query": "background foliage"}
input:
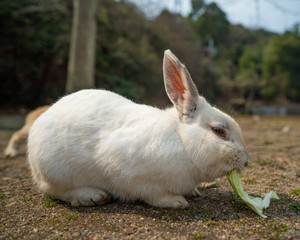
[(226, 61)]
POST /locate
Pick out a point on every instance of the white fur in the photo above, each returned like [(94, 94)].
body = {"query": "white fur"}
[(95, 142)]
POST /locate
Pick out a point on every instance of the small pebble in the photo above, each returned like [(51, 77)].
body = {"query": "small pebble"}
[(256, 118), (76, 234), (286, 129)]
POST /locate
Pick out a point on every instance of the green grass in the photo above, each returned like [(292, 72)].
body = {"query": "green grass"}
[(197, 235), (266, 141), (295, 191), (2, 195), (264, 162), (71, 216), (278, 227), (239, 206), (22, 177), (295, 159), (194, 210), (51, 222), (251, 165), (250, 181), (97, 213), (50, 203), (203, 211), (288, 149), (295, 206), (27, 199), (273, 184), (210, 222)]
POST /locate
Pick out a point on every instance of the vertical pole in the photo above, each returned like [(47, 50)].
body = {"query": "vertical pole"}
[(81, 66)]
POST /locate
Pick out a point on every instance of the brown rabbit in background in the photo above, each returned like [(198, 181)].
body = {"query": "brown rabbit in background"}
[(21, 135)]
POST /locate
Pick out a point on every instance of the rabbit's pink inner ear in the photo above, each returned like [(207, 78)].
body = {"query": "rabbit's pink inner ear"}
[(176, 79)]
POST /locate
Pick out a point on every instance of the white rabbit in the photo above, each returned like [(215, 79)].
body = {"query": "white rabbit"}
[(94, 144)]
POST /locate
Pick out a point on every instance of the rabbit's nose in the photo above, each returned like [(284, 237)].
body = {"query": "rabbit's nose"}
[(247, 159), (247, 163)]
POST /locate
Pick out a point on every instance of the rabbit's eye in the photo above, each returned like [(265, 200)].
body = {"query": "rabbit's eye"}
[(220, 132)]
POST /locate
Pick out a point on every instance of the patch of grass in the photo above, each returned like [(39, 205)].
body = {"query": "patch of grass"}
[(27, 199), (295, 159), (273, 184), (281, 228), (97, 213), (2, 195), (50, 203), (283, 201), (295, 206), (197, 235), (249, 181), (113, 229), (278, 227), (165, 210), (236, 203), (251, 165), (288, 149), (204, 211), (266, 141), (3, 169), (272, 224), (22, 177), (210, 222), (194, 210), (51, 222), (295, 191), (264, 162), (239, 206), (71, 216), (62, 228)]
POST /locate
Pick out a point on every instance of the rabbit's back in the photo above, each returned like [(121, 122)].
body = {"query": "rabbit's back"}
[(96, 136)]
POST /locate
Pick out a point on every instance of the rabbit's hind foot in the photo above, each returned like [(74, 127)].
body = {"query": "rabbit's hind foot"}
[(84, 197)]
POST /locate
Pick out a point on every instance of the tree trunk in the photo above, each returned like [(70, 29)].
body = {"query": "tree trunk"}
[(81, 66)]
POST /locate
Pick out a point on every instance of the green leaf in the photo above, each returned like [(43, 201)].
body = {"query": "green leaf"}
[(255, 203)]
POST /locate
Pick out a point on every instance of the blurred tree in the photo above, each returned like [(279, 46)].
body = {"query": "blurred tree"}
[(81, 65), (34, 37), (197, 7), (127, 62), (34, 52), (248, 79), (239, 65), (281, 67), (212, 24)]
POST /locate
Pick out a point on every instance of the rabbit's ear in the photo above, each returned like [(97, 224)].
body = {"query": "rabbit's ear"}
[(179, 86)]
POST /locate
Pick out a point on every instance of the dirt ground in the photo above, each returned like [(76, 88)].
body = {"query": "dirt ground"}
[(274, 146)]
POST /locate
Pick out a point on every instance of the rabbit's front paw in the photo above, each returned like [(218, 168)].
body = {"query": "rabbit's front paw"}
[(194, 193), (170, 201)]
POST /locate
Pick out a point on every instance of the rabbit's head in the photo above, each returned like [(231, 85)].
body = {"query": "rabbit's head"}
[(211, 138)]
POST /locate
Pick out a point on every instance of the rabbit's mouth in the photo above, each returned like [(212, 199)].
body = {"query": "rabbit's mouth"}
[(239, 167), (240, 170), (239, 161)]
